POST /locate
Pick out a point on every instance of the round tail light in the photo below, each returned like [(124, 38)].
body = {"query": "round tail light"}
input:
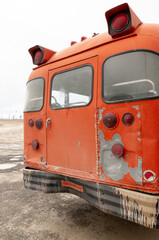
[(128, 119), (31, 123), (38, 123), (117, 150), (38, 56), (35, 144), (110, 120), (120, 22)]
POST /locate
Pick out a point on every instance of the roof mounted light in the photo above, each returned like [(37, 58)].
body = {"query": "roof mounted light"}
[(121, 20), (73, 42), (40, 55), (83, 38)]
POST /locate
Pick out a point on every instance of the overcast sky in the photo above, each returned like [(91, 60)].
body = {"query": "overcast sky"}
[(52, 24)]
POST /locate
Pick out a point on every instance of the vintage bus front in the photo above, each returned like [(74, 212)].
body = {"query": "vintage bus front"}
[(91, 119)]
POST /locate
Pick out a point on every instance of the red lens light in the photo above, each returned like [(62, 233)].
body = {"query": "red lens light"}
[(149, 175), (110, 120), (73, 42), (31, 123), (117, 150), (120, 21), (128, 119), (83, 38), (38, 123), (38, 56), (35, 144)]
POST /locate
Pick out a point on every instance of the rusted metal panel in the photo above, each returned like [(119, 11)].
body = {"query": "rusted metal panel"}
[(135, 206)]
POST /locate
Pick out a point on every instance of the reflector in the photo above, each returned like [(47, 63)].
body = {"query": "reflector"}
[(149, 176)]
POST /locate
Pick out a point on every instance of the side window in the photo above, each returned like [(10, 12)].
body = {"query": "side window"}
[(131, 76), (72, 88), (34, 95)]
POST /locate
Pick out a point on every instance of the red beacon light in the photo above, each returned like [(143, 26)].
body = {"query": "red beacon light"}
[(40, 55), (121, 20)]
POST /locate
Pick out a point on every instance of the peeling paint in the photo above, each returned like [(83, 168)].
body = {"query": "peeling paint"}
[(136, 107), (100, 114), (116, 168), (139, 115)]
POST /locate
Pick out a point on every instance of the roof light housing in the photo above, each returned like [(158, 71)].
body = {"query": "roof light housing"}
[(40, 55), (121, 20)]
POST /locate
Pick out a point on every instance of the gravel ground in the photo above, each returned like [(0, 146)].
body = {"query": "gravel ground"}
[(32, 215)]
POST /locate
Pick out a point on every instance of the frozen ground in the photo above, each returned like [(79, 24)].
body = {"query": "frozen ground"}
[(32, 215)]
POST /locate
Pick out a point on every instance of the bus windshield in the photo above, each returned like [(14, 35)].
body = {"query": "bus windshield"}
[(34, 95)]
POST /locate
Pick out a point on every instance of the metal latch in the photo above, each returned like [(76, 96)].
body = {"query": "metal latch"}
[(48, 121)]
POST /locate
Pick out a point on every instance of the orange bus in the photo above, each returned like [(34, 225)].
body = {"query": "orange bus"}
[(91, 119)]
